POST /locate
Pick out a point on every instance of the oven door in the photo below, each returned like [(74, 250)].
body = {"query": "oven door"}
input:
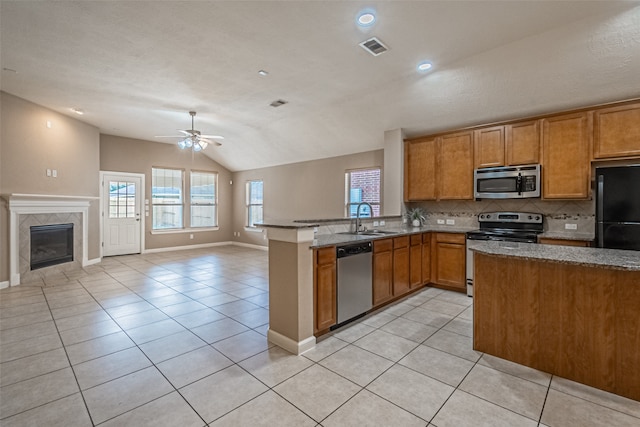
[(469, 262)]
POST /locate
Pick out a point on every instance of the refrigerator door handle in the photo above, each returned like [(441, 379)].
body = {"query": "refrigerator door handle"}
[(600, 210)]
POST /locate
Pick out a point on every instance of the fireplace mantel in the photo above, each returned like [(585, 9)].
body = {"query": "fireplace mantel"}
[(28, 204)]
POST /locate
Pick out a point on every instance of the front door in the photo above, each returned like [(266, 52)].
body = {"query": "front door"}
[(121, 213)]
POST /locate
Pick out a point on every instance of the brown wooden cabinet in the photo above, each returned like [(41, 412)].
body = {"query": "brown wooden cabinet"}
[(564, 242), (401, 264), (488, 147), (420, 165), (382, 271), (523, 143), (617, 132), (415, 261), (448, 260), (455, 166), (426, 258), (324, 286), (508, 145), (566, 153)]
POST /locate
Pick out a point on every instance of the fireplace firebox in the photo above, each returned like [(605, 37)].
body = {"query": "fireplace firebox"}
[(51, 245)]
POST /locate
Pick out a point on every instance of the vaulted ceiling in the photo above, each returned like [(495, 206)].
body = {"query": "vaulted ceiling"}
[(137, 67)]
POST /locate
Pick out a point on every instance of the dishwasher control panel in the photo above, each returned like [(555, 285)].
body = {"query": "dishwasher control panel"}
[(354, 249)]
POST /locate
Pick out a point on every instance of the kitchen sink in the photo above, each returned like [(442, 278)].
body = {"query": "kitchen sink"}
[(370, 233)]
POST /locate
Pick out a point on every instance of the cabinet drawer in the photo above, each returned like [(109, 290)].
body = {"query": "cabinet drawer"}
[(382, 245), (416, 239), (400, 242), (326, 255), (458, 238)]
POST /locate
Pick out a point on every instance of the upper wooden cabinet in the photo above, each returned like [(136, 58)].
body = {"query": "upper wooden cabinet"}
[(508, 145), (617, 132), (420, 160), (488, 147), (455, 167), (566, 153), (523, 143)]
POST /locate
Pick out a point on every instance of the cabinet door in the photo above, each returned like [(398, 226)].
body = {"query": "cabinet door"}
[(426, 258), (400, 265), (617, 132), (566, 154), (415, 261), (523, 143), (325, 288), (488, 147), (455, 168), (420, 169), (449, 260), (382, 271)]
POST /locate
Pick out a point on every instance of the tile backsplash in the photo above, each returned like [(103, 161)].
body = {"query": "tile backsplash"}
[(556, 213)]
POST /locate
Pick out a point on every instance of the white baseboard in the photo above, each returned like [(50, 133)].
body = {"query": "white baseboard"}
[(290, 345), (92, 262), (182, 248), (249, 245), (4, 285)]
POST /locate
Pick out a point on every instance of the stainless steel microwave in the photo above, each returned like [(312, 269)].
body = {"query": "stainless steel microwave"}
[(509, 182)]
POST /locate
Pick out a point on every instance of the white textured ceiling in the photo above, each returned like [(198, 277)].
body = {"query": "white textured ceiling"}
[(136, 68)]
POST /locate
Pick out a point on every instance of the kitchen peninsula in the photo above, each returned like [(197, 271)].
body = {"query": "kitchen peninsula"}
[(569, 311)]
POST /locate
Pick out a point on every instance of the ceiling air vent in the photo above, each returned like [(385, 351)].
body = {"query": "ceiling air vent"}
[(278, 103), (374, 46)]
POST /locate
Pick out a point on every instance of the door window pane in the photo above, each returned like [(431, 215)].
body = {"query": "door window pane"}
[(122, 199)]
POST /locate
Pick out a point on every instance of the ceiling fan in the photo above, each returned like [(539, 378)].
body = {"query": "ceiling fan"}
[(192, 138)]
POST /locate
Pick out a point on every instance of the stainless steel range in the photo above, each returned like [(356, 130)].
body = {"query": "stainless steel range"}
[(505, 227)]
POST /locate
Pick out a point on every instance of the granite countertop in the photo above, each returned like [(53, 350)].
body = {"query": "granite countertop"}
[(591, 257), (568, 235), (340, 239), (287, 223)]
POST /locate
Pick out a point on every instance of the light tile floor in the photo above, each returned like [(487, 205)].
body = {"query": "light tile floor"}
[(179, 339)]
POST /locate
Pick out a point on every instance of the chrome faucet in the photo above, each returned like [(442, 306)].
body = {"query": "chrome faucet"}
[(358, 214)]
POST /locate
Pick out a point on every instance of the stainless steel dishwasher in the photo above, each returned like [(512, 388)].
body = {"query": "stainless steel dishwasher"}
[(355, 293)]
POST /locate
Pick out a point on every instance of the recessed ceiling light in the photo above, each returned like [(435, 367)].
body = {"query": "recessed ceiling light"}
[(263, 73), (424, 66), (366, 18)]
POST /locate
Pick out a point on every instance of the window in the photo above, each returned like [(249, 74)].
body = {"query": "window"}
[(166, 198), (254, 202), (122, 199), (204, 211), (362, 185)]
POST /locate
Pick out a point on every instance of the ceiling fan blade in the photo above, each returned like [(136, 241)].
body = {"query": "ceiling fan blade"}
[(212, 136), (188, 132), (208, 141), (169, 136)]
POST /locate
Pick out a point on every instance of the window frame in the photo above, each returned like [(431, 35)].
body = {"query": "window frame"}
[(214, 203), (248, 204), (181, 204), (347, 192)]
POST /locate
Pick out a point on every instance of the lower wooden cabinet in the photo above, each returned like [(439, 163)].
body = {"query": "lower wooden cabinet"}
[(426, 258), (448, 258), (382, 271), (324, 288), (564, 242), (401, 263), (415, 261)]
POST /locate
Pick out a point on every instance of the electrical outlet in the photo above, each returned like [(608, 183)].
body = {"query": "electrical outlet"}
[(54, 173), (571, 226), (382, 223), (376, 223), (451, 222), (191, 236), (441, 221), (48, 172)]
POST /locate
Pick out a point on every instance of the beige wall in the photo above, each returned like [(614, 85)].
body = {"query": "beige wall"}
[(306, 190), (121, 154), (28, 148)]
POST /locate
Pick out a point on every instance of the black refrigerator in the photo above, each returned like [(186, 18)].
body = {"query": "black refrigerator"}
[(618, 207)]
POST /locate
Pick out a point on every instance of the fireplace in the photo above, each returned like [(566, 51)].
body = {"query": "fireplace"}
[(51, 245)]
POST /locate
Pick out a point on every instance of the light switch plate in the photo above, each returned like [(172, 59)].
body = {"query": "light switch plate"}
[(451, 222), (382, 223), (571, 226), (376, 223), (441, 221)]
